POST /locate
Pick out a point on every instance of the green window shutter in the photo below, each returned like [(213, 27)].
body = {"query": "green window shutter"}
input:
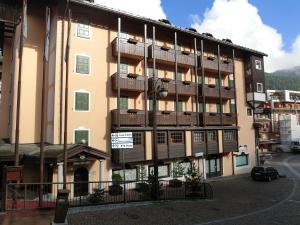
[(231, 83), (81, 135), (200, 107), (179, 76), (217, 81), (124, 102), (150, 104), (232, 108), (199, 80), (124, 68), (218, 108), (82, 64), (82, 101), (180, 105)]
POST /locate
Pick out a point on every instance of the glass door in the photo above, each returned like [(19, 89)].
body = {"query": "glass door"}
[(213, 167)]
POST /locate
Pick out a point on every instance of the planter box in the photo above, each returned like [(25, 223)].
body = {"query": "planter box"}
[(175, 183), (115, 189)]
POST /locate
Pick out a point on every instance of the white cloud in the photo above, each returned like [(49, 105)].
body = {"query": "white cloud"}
[(240, 21), (146, 8)]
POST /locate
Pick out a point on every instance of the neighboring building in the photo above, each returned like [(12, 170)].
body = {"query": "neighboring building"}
[(289, 128), (212, 85)]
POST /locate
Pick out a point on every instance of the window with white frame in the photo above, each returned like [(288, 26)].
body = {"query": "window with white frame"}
[(82, 101), (81, 136), (199, 137), (124, 68), (242, 160), (249, 112), (260, 87), (123, 35), (82, 64), (130, 174), (83, 29), (229, 135), (258, 65), (163, 170)]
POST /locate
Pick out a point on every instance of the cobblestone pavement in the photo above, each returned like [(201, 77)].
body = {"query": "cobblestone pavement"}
[(237, 200), (30, 217)]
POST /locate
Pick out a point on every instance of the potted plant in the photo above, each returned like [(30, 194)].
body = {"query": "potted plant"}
[(116, 188), (193, 182), (142, 185), (177, 171)]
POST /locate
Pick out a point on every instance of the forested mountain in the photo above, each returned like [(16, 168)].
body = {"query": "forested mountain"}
[(284, 79)]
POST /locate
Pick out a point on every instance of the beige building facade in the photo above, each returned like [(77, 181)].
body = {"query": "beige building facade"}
[(203, 121)]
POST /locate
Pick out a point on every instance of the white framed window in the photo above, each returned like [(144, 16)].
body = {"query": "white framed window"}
[(260, 87), (123, 68), (83, 64), (83, 29), (242, 160), (249, 112), (124, 35), (258, 65), (81, 135), (82, 101)]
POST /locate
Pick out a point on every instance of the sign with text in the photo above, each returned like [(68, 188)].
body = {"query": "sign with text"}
[(121, 140)]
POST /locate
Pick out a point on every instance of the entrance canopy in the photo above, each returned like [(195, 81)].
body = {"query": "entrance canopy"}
[(53, 153)]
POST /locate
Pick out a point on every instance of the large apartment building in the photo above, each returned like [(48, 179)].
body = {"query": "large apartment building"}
[(213, 86)]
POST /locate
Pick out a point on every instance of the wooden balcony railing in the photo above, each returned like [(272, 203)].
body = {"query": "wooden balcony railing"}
[(226, 66), (210, 63), (162, 54), (210, 118), (129, 48), (230, 146), (184, 88), (212, 147), (176, 151), (210, 91), (129, 82), (164, 118), (128, 117), (229, 118), (166, 55), (187, 118), (136, 154), (227, 92), (185, 58), (199, 147)]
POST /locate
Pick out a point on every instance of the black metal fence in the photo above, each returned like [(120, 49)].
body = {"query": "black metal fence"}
[(26, 195)]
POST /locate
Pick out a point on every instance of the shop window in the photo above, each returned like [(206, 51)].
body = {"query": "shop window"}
[(241, 160)]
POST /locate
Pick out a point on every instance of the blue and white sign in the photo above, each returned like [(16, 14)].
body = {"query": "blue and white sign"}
[(121, 140)]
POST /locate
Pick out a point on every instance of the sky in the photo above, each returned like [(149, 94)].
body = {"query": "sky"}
[(270, 26)]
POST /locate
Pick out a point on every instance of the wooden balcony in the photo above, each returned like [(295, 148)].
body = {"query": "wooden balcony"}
[(128, 117), (210, 118), (227, 92), (164, 118), (212, 147), (163, 55), (129, 48), (187, 118), (210, 63), (136, 154), (184, 88), (226, 66), (166, 55), (229, 118), (210, 91), (129, 82), (230, 146), (176, 151), (185, 58)]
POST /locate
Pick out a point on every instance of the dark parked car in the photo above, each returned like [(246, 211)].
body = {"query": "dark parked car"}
[(264, 173), (295, 146)]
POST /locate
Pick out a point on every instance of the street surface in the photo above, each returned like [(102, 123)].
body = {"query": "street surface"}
[(237, 200)]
